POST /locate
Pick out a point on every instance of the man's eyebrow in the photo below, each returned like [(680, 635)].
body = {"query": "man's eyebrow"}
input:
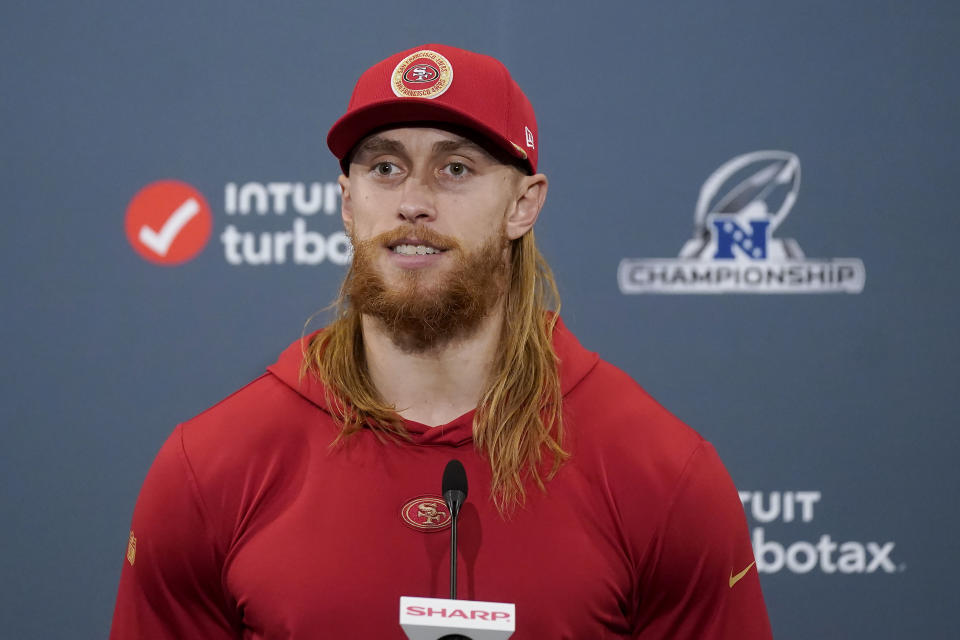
[(382, 144), (379, 144), (449, 146)]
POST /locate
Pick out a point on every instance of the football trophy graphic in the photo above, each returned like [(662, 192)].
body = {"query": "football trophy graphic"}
[(740, 206)]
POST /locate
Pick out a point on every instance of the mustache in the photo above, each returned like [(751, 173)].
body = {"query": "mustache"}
[(423, 235)]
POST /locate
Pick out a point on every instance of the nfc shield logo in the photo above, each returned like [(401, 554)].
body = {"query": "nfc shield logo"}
[(729, 234), (735, 247)]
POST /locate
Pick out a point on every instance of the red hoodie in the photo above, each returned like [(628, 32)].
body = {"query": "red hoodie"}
[(249, 525)]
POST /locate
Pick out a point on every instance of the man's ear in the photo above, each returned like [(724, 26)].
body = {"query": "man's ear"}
[(346, 205), (532, 193)]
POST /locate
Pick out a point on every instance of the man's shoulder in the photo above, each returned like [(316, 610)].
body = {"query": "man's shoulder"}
[(613, 395), (252, 445), (265, 415), (597, 387), (248, 404), (610, 414)]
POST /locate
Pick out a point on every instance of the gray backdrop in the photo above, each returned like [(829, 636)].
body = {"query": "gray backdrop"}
[(842, 399)]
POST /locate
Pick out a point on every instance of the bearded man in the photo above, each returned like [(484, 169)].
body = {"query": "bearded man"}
[(305, 505)]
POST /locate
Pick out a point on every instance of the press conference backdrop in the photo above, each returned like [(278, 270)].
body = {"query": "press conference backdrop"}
[(752, 210)]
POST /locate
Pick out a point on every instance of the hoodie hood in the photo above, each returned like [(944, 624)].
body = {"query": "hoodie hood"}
[(575, 363)]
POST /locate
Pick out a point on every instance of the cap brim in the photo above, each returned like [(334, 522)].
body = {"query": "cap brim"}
[(355, 125)]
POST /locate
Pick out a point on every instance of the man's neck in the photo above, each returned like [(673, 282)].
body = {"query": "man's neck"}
[(438, 385)]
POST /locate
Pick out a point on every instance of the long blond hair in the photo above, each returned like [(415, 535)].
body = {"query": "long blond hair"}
[(518, 423)]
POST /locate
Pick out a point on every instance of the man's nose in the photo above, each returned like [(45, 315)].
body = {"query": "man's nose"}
[(416, 201)]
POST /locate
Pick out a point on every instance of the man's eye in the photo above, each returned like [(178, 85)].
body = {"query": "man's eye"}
[(384, 168), (457, 169)]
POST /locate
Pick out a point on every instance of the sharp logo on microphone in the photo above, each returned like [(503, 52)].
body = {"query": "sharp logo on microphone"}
[(430, 618), (466, 614), (426, 513)]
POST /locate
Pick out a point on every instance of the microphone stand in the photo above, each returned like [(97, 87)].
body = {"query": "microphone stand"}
[(453, 557)]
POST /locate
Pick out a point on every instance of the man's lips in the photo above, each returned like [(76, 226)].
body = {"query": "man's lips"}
[(414, 247)]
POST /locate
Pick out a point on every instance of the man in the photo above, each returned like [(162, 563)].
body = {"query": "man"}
[(306, 504)]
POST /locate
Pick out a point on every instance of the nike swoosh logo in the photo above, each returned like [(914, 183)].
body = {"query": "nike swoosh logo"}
[(734, 579)]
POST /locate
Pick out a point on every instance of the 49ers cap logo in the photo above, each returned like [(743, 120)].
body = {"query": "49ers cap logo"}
[(423, 74), (426, 513)]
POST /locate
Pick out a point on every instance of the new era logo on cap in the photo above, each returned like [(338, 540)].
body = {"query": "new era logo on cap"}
[(441, 84)]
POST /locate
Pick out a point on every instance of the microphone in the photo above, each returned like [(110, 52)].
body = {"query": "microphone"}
[(454, 494), (454, 486), (436, 619)]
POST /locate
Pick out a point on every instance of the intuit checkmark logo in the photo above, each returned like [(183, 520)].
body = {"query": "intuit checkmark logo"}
[(168, 222)]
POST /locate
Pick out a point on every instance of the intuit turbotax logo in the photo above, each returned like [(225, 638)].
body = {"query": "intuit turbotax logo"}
[(169, 222), (775, 514), (734, 248)]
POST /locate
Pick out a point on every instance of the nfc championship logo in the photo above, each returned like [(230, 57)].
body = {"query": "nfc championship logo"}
[(734, 249)]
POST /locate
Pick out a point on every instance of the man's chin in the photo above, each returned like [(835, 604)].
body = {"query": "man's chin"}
[(429, 278), (417, 291)]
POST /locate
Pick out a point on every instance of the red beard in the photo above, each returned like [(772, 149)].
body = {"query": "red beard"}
[(417, 316)]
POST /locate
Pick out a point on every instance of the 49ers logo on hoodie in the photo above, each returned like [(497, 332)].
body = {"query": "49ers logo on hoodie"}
[(426, 513), (423, 74)]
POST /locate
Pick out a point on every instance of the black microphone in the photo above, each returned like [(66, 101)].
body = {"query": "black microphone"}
[(454, 494), (454, 490), (454, 487)]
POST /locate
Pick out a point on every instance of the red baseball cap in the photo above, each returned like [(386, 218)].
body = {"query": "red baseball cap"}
[(443, 84)]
